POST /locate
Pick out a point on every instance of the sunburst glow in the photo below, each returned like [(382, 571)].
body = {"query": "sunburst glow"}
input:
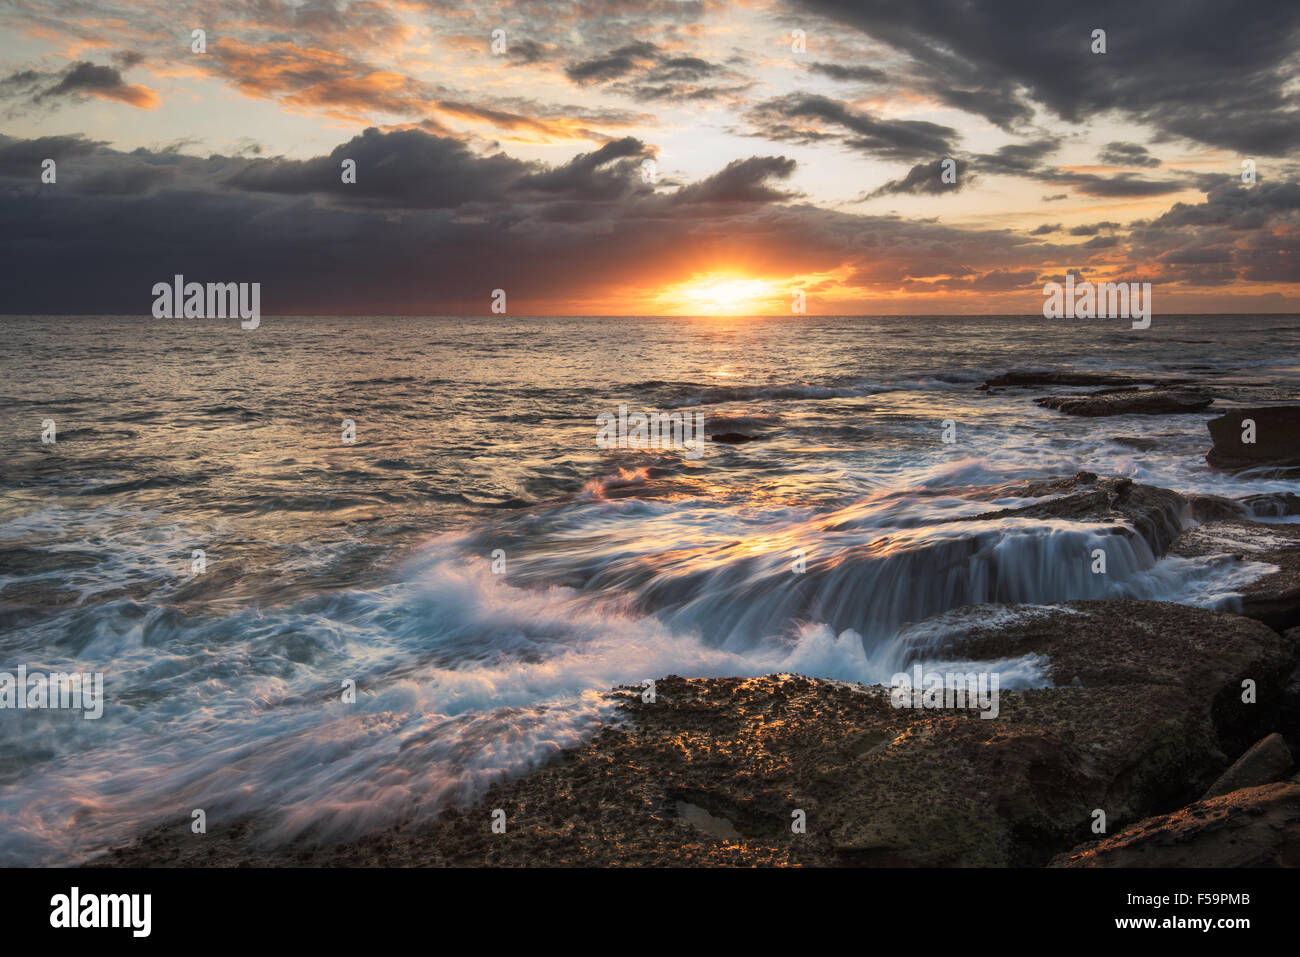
[(722, 294)]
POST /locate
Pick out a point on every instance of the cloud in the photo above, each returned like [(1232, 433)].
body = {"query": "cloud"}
[(644, 71), (1092, 229), (613, 65), (808, 118), (742, 181), (1180, 66), (432, 227), (1238, 234), (856, 74), (1027, 160), (78, 80), (927, 179), (994, 105), (1127, 154)]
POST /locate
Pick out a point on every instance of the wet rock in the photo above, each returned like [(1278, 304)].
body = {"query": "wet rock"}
[(1251, 827), (1034, 488), (1276, 434), (1215, 508), (1158, 514), (739, 428), (1136, 442), (1273, 504), (715, 771), (1129, 402), (1268, 760), (1273, 597), (1030, 377)]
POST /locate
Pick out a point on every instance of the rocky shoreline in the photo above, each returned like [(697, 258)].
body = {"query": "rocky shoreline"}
[(1170, 727)]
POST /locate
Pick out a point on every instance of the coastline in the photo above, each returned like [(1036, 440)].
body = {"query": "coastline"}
[(1114, 760)]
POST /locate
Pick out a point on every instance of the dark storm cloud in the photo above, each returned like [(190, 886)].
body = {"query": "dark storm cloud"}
[(742, 181), (646, 72), (404, 168), (1092, 229), (996, 106), (1019, 159), (1119, 185), (1127, 154), (82, 77), (995, 280), (1027, 160), (806, 118), (856, 74), (1239, 233), (1190, 68), (590, 176), (527, 51), (1236, 206), (23, 158), (926, 179), (85, 166), (1102, 242), (79, 79), (438, 229), (613, 65)]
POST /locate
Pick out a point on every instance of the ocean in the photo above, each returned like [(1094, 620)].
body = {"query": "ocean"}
[(235, 527)]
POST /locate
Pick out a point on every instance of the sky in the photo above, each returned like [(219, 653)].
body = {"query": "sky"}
[(649, 157)]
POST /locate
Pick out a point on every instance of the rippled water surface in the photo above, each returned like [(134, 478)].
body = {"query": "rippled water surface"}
[(372, 561)]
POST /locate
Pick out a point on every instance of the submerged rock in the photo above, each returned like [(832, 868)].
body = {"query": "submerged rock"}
[(1031, 377), (1034, 488), (1251, 827), (1129, 402), (1274, 597), (1276, 435), (1157, 514), (1273, 504), (1136, 442)]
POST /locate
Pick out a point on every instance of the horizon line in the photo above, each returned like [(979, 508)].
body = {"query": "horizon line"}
[(628, 315)]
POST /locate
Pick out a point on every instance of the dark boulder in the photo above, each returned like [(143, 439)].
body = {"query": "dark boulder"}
[(1276, 436), (1252, 827), (1129, 402), (1268, 760), (1031, 377)]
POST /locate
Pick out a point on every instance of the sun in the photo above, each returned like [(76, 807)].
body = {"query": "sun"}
[(721, 294)]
